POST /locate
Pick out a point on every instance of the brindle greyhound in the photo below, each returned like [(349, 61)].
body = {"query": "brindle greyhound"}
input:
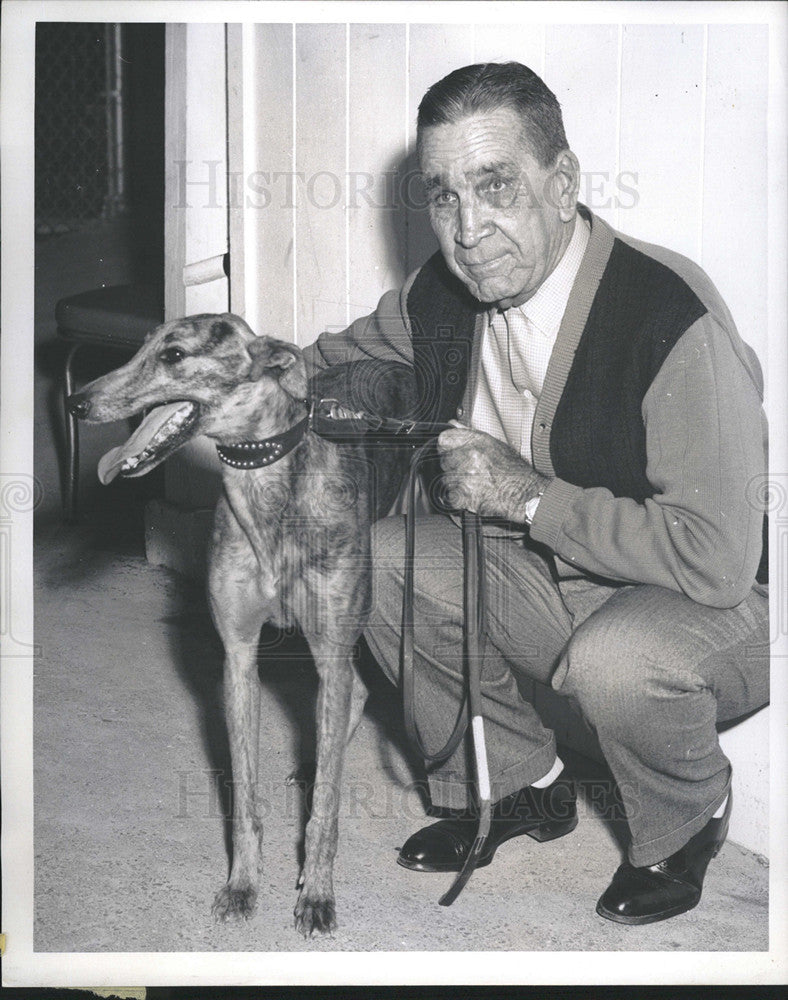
[(290, 542)]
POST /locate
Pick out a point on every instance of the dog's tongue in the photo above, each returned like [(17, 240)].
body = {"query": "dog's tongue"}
[(110, 464)]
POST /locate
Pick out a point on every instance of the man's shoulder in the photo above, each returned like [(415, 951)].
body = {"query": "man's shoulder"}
[(678, 273), (670, 286)]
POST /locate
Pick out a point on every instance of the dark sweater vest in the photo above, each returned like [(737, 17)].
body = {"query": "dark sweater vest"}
[(640, 311)]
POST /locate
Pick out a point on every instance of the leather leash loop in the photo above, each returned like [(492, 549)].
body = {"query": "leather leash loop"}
[(474, 633), (474, 628), (407, 673)]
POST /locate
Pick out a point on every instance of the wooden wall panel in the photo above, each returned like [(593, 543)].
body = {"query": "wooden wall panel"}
[(581, 68), (320, 165), (735, 219), (206, 167), (662, 93), (196, 214), (241, 142), (176, 59), (639, 102), (269, 179), (377, 140), (521, 42)]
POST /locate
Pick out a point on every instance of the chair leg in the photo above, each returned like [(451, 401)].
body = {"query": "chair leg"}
[(71, 478)]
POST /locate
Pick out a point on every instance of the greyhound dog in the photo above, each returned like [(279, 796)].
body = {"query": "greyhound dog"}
[(290, 542)]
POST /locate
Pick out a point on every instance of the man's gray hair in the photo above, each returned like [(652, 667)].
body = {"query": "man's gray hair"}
[(491, 86)]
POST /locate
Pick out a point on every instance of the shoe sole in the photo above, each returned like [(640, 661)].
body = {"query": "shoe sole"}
[(542, 834)]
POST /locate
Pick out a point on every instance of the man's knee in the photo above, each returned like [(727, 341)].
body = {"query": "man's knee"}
[(610, 671)]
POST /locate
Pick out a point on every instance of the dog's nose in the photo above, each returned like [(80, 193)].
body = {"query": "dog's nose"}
[(78, 406)]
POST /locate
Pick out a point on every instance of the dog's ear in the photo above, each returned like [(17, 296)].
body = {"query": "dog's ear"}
[(266, 355), (284, 361)]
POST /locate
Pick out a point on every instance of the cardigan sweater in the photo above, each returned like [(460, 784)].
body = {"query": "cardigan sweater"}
[(649, 425)]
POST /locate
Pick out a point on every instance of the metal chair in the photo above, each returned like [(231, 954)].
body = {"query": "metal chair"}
[(118, 318)]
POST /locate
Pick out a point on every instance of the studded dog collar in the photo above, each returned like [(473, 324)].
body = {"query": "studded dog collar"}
[(329, 419), (258, 454)]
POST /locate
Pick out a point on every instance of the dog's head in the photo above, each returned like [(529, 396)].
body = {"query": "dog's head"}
[(206, 374)]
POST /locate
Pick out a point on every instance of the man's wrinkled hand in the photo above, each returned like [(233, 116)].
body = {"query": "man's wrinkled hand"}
[(482, 474)]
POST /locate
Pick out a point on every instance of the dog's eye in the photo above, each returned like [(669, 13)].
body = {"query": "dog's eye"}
[(172, 355)]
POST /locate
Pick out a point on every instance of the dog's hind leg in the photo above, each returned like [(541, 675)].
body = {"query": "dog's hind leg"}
[(239, 607), (315, 909)]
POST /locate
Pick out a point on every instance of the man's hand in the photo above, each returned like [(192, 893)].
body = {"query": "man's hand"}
[(482, 474)]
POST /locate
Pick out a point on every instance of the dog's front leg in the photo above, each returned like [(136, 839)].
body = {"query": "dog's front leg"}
[(315, 909), (242, 705), (239, 607)]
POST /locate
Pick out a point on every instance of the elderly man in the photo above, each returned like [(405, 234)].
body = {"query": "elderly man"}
[(608, 423)]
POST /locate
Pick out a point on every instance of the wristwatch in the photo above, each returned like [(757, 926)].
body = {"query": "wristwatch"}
[(530, 508)]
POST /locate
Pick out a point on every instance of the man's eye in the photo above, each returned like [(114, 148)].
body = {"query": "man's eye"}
[(172, 355), (496, 185), (499, 191), (441, 198)]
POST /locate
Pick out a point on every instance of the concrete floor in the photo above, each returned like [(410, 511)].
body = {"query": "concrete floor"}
[(130, 755)]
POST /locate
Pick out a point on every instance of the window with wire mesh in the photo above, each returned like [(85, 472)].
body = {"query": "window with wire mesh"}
[(71, 128)]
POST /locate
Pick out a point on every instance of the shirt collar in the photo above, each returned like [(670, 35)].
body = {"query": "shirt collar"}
[(545, 309)]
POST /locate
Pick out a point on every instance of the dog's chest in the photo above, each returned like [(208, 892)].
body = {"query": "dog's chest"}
[(301, 519)]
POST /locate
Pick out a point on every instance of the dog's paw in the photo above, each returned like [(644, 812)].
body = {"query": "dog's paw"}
[(234, 904), (315, 914)]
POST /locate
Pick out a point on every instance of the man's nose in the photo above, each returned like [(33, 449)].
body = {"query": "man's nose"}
[(78, 406), (473, 224)]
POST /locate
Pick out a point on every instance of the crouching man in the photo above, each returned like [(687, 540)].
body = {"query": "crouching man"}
[(611, 423)]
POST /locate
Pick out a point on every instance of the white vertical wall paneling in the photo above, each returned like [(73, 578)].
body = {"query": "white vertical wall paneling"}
[(240, 77), (206, 153), (196, 212), (523, 43), (662, 81), (376, 149), (434, 51), (176, 58), (351, 115), (320, 91), (734, 202), (269, 188), (581, 68)]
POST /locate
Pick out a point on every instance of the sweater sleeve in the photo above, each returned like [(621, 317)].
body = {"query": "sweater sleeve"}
[(700, 531), (383, 335)]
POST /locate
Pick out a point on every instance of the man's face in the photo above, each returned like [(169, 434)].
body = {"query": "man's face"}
[(502, 220)]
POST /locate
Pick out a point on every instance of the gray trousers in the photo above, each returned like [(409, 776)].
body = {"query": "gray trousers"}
[(652, 672)]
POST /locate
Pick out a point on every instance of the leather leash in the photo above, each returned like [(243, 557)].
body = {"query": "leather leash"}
[(329, 419)]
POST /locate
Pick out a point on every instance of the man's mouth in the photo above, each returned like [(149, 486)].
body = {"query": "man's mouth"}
[(483, 267), (161, 433)]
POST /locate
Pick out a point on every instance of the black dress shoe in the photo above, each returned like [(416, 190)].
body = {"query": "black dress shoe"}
[(670, 887), (541, 813)]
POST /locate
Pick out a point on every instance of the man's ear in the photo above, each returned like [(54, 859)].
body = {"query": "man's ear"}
[(266, 355), (566, 185)]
